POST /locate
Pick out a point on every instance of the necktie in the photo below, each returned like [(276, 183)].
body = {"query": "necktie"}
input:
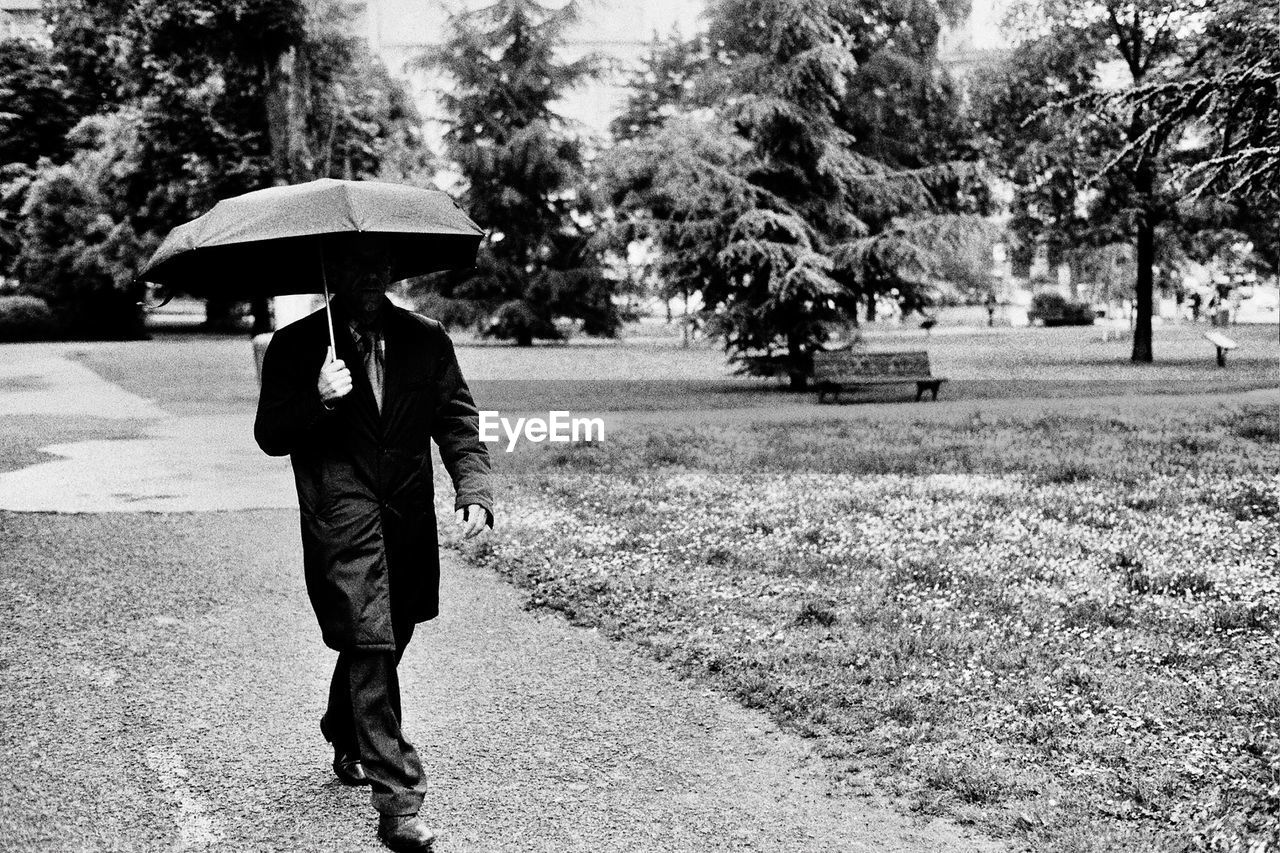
[(367, 343)]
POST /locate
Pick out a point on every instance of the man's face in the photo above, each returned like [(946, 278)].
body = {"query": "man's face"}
[(359, 272)]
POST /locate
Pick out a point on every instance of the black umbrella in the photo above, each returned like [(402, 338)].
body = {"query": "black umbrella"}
[(271, 242)]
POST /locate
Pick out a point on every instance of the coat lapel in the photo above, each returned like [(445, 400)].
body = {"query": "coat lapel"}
[(406, 360)]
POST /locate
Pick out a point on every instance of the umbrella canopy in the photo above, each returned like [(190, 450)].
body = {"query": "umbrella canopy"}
[(269, 242)]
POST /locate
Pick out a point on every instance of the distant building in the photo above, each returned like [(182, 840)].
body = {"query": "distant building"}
[(21, 19)]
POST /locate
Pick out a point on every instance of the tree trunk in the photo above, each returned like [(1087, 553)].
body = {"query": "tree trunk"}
[(1020, 261), (1142, 349), (686, 330), (286, 107), (797, 364), (277, 77), (871, 306), (262, 319), (1144, 180)]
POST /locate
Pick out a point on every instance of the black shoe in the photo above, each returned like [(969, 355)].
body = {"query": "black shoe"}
[(349, 770), (405, 833), (346, 765)]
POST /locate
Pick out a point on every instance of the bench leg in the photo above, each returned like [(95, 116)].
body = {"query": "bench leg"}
[(1222, 357), (931, 387)]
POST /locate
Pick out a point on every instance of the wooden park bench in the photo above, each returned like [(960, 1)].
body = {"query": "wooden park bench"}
[(1223, 343), (840, 369)]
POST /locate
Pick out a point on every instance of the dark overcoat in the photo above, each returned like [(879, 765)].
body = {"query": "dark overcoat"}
[(364, 477)]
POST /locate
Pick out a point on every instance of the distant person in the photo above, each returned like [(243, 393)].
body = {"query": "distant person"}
[(358, 430), (1195, 301), (1221, 307), (991, 309)]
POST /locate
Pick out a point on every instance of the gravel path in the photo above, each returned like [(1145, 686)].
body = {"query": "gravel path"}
[(163, 676)]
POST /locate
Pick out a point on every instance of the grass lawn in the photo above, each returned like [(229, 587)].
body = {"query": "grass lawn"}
[(1060, 627)]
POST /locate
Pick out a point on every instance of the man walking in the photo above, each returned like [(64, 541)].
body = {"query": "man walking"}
[(357, 425)]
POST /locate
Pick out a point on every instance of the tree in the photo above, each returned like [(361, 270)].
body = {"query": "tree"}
[(1226, 110), (195, 76), (665, 85), (662, 89), (787, 67), (1231, 91), (921, 260), (1151, 40), (35, 116), (15, 180), (522, 167), (811, 175), (1036, 150), (677, 190), (228, 97), (34, 111), (353, 119), (77, 249), (90, 39)]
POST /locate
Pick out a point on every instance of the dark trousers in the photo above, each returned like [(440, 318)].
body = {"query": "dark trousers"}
[(363, 719)]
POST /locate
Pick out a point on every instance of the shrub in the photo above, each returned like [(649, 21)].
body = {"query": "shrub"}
[(78, 252), (26, 318), (1053, 309), (515, 319), (453, 313)]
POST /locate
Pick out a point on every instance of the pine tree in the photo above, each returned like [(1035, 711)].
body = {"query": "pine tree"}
[(806, 199), (522, 166), (664, 86)]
